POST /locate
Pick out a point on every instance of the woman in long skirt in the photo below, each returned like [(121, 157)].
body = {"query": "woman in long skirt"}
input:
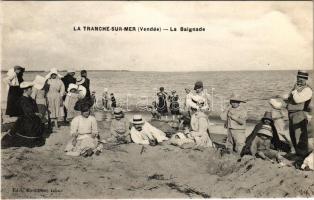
[(28, 129), (54, 95), (14, 78)]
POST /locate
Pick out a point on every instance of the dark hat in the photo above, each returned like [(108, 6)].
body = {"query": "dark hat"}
[(303, 74), (84, 107), (198, 84), (19, 67), (161, 88), (268, 115)]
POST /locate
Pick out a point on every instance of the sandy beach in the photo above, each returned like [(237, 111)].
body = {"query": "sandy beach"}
[(136, 171)]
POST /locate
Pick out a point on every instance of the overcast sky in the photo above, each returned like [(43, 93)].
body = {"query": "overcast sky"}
[(239, 35)]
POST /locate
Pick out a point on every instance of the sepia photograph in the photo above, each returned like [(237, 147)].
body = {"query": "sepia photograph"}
[(148, 99)]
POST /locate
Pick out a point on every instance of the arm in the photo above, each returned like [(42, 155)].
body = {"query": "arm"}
[(94, 127), (34, 93), (74, 127), (302, 96)]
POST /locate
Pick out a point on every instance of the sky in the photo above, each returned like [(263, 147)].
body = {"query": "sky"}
[(240, 35)]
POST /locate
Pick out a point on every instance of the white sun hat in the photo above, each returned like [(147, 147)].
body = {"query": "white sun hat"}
[(72, 86), (26, 84), (276, 104), (53, 71), (39, 82), (82, 91)]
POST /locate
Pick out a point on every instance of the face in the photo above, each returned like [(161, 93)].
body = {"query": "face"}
[(138, 126), (18, 71), (266, 121), (84, 74), (85, 114), (234, 104), (301, 81), (264, 137), (53, 76), (187, 91), (73, 90), (199, 90), (72, 73), (28, 91)]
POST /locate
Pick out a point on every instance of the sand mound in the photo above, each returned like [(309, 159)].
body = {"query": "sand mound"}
[(135, 171)]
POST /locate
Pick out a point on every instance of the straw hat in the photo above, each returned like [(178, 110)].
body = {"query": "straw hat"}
[(303, 74), (137, 119), (275, 103), (53, 71), (25, 84), (82, 91), (72, 86), (118, 113), (265, 130), (39, 82), (237, 98), (80, 80)]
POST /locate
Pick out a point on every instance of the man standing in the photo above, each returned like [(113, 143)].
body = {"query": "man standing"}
[(67, 80), (297, 105)]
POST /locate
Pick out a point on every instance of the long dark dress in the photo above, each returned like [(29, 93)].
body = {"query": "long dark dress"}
[(174, 104), (162, 103), (14, 94), (28, 129), (86, 84)]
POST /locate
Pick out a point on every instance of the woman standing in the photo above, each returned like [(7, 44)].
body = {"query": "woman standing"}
[(14, 79), (54, 95)]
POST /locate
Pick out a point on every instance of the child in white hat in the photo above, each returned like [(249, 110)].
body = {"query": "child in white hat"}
[(70, 100), (38, 94)]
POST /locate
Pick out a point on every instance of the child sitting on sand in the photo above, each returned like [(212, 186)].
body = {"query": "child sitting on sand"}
[(264, 142), (84, 134), (154, 112), (235, 117), (119, 128), (70, 100), (200, 126)]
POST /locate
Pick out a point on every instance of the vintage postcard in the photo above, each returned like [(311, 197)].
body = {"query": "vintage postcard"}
[(147, 99)]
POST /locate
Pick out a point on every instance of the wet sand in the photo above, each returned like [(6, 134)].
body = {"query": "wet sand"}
[(136, 171)]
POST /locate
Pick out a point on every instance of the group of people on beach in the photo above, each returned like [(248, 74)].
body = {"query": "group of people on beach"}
[(51, 97)]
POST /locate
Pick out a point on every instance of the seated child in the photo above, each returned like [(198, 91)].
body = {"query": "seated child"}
[(84, 134), (154, 112), (264, 142), (119, 128)]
